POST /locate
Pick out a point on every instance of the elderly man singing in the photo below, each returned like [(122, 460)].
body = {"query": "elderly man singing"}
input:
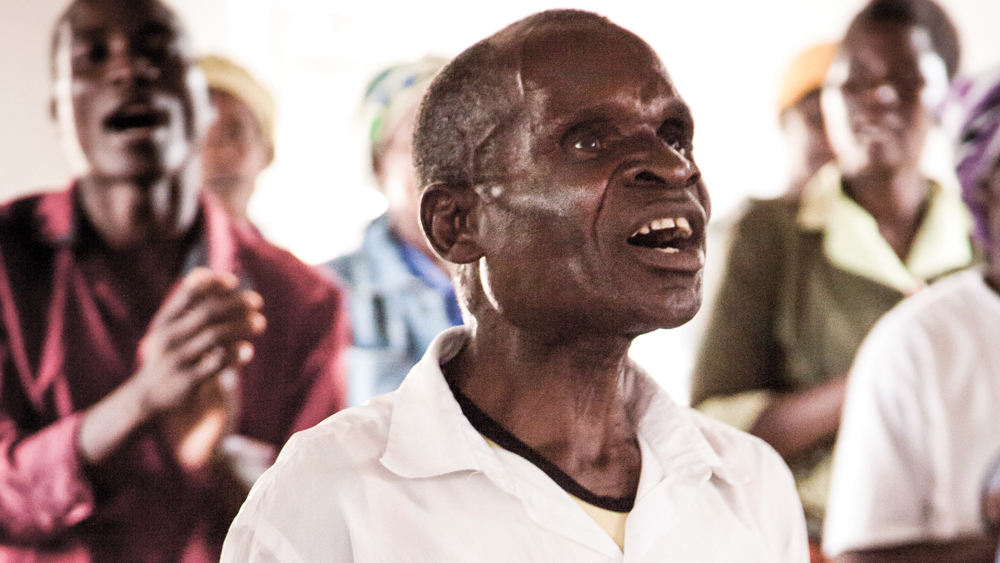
[(557, 171)]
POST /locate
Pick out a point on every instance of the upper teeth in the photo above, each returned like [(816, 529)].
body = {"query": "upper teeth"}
[(680, 223)]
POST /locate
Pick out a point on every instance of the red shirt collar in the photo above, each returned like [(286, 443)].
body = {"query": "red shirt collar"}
[(58, 213)]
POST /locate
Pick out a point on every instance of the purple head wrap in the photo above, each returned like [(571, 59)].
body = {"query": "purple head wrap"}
[(977, 141)]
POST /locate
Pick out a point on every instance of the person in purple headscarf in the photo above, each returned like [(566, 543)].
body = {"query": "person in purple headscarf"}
[(920, 435)]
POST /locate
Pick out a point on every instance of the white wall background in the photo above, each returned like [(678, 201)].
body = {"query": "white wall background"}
[(726, 56)]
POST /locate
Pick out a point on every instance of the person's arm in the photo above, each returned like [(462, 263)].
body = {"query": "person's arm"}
[(979, 549), (46, 474), (793, 423), (43, 488)]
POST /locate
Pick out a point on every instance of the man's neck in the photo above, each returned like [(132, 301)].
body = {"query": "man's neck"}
[(562, 397), (130, 216), (897, 200), (144, 228)]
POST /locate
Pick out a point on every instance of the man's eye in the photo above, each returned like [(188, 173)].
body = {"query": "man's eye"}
[(590, 138), (589, 143), (90, 53), (676, 133)]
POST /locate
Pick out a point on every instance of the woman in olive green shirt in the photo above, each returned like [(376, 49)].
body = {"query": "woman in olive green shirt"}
[(806, 279)]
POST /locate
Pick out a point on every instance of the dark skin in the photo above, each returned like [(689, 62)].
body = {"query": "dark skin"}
[(878, 144), (137, 120), (556, 290)]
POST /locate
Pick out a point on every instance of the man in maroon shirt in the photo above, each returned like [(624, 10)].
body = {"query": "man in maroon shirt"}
[(140, 392)]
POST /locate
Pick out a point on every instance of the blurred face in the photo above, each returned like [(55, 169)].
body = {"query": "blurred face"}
[(126, 88), (805, 135), (235, 152), (596, 223), (398, 181), (874, 102)]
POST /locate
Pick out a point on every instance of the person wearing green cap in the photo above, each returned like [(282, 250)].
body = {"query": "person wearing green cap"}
[(401, 292)]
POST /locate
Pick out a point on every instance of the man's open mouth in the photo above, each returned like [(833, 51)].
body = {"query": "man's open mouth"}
[(135, 118), (668, 234)]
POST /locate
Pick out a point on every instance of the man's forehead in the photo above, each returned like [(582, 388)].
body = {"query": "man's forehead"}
[(95, 16), (578, 46), (584, 66)]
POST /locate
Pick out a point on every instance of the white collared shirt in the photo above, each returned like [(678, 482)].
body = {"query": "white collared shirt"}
[(920, 433), (407, 478)]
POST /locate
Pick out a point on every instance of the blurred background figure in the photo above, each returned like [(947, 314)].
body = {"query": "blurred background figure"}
[(400, 291), (240, 143), (806, 279), (915, 471), (154, 354), (801, 119)]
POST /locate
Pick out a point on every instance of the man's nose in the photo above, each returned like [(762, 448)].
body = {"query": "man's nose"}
[(665, 166), (125, 65)]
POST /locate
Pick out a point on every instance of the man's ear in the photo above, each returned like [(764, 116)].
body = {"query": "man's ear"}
[(448, 216)]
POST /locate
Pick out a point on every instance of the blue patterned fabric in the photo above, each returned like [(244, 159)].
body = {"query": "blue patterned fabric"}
[(398, 304)]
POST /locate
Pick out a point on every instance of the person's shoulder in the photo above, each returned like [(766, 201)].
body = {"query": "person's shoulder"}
[(344, 268), (322, 476), (343, 446), (947, 299), (780, 211), (759, 481), (766, 222), (20, 215), (365, 264), (739, 451)]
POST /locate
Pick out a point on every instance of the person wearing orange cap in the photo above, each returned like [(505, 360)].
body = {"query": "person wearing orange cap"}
[(240, 144), (807, 277), (801, 118)]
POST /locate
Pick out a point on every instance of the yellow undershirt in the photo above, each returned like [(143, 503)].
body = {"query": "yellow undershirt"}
[(610, 521)]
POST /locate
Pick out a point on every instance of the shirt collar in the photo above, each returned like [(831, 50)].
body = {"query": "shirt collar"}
[(853, 243), (58, 215), (429, 436)]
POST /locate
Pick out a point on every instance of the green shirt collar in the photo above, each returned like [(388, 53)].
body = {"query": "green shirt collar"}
[(853, 243)]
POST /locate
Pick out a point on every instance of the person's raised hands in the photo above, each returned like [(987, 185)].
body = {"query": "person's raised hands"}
[(203, 328), (189, 361)]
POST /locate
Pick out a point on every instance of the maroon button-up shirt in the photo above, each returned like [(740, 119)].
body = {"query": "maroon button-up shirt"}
[(68, 338)]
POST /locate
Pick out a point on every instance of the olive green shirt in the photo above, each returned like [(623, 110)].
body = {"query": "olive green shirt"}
[(805, 281)]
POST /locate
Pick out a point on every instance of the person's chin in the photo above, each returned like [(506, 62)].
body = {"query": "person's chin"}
[(882, 157), (131, 168), (222, 184), (672, 312)]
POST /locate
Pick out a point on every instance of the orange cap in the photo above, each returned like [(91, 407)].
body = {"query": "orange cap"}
[(806, 73)]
